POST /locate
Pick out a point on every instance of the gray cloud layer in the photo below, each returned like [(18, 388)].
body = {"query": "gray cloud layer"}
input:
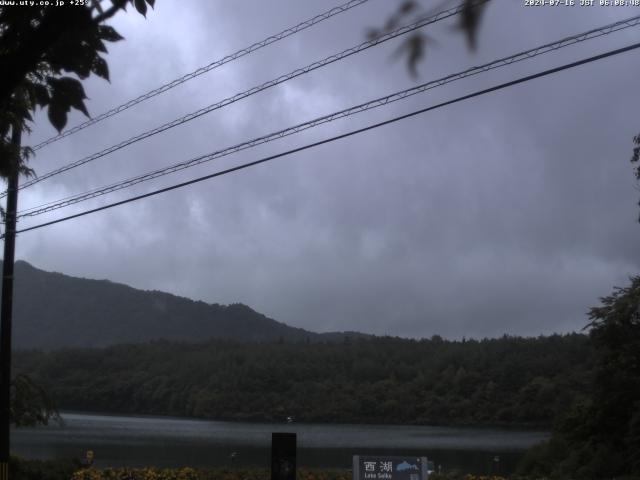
[(510, 213)]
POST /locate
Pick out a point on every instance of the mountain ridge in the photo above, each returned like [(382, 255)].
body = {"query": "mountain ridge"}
[(54, 310)]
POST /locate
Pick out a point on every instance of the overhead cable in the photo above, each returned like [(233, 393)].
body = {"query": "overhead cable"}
[(339, 137), (378, 102), (207, 68), (252, 91)]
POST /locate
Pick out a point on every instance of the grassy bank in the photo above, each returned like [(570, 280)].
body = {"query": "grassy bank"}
[(231, 474), (71, 470), (21, 469)]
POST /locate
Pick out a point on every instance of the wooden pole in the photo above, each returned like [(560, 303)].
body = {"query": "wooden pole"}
[(6, 310)]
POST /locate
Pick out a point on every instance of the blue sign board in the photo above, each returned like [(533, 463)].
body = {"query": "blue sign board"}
[(389, 468)]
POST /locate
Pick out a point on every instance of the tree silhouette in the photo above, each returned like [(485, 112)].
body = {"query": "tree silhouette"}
[(600, 436), (30, 403), (39, 47), (635, 159)]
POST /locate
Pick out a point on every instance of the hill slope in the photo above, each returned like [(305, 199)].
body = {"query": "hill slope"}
[(505, 381), (52, 310)]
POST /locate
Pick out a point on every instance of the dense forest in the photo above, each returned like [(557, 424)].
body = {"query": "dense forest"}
[(599, 436), (506, 381)]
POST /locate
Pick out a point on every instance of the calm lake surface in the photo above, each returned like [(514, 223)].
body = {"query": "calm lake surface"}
[(174, 442)]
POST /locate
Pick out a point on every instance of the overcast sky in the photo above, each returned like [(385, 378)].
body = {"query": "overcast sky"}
[(510, 213)]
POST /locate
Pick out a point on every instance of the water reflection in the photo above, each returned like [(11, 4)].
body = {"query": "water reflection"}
[(172, 442)]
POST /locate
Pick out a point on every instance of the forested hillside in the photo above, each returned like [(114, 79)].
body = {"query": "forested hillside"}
[(599, 437), (383, 380), (78, 312)]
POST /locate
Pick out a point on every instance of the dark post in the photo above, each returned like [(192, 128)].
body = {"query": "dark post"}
[(283, 456), (6, 309)]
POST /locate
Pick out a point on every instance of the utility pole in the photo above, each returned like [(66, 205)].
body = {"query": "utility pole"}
[(6, 307)]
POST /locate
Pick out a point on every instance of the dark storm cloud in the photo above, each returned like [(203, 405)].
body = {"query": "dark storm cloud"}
[(511, 213)]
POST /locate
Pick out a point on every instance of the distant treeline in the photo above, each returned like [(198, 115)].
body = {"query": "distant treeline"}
[(505, 381)]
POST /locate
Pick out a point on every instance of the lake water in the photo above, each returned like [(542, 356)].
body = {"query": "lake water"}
[(173, 442)]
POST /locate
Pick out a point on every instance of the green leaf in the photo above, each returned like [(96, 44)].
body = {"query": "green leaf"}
[(636, 151), (68, 92), (40, 94), (109, 34), (57, 116), (99, 45), (414, 47), (100, 68), (407, 7), (151, 3), (76, 57), (470, 20), (141, 6)]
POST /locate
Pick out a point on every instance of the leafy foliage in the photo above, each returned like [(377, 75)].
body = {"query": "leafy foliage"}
[(21, 469), (45, 52), (415, 45), (635, 158), (600, 437), (30, 404), (187, 473), (504, 381)]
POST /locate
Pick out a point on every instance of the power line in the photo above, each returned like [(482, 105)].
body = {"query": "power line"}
[(339, 137), (528, 54), (207, 68), (239, 96)]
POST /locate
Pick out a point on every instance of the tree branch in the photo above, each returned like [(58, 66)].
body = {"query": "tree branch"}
[(111, 11)]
